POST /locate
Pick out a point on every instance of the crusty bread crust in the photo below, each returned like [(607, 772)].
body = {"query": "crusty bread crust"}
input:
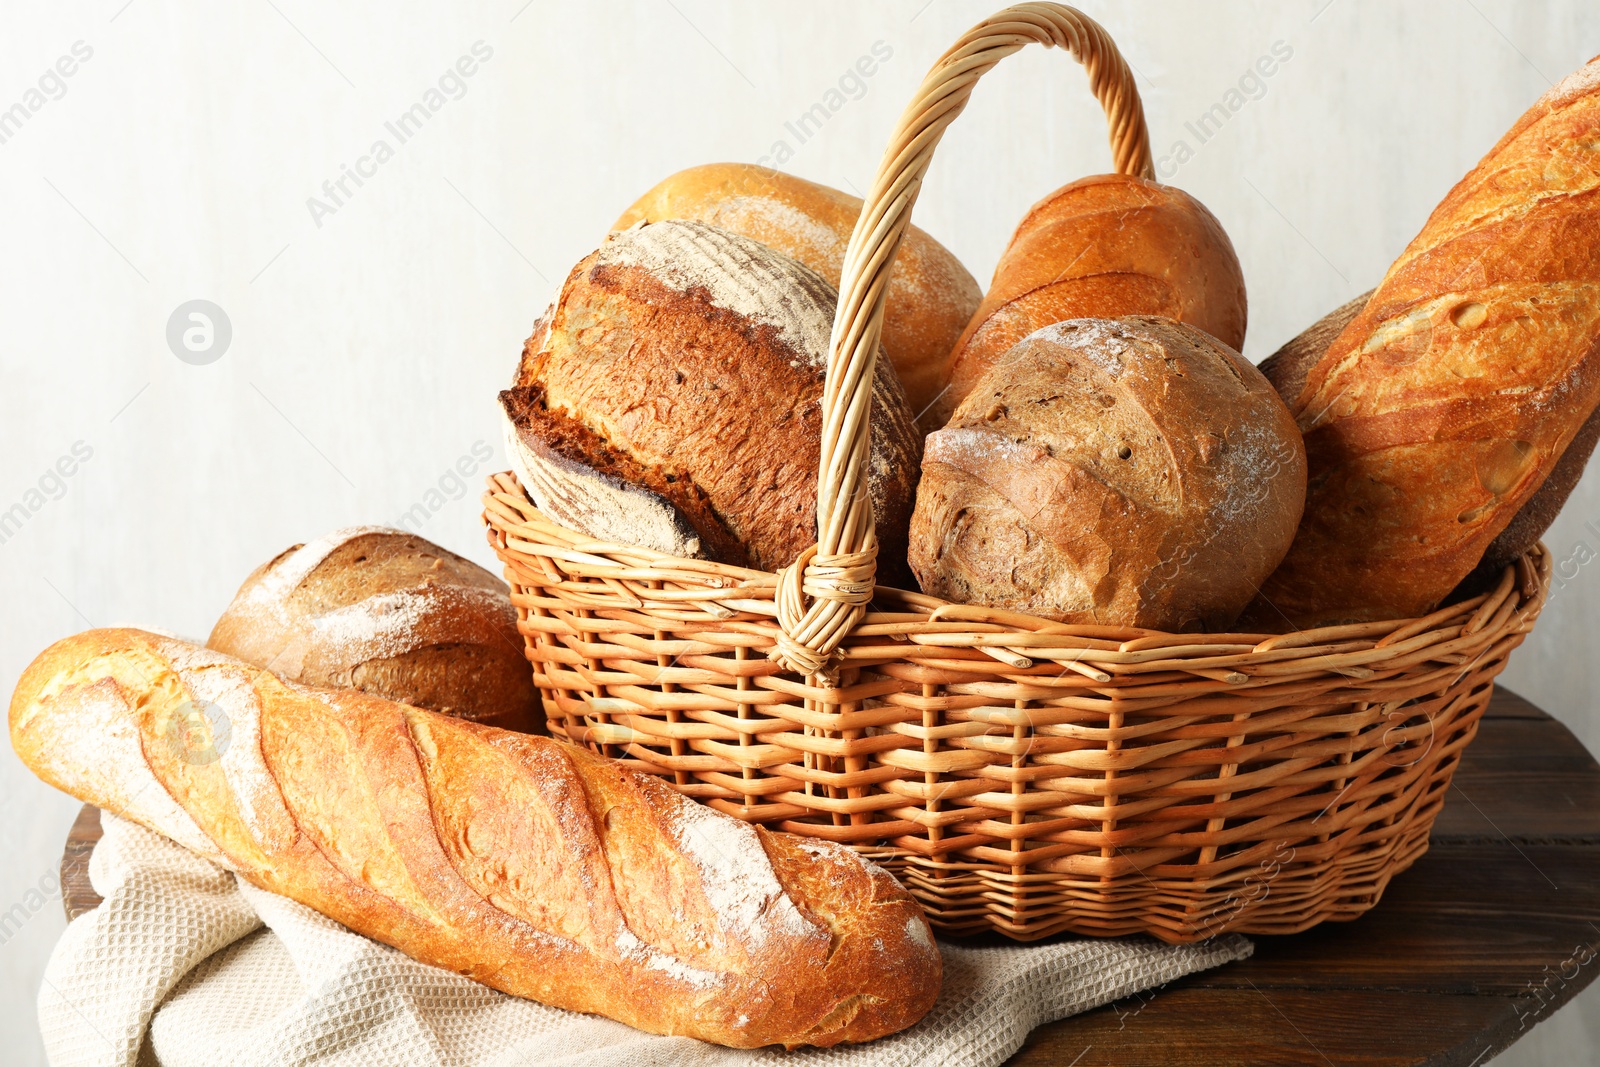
[(521, 862), (931, 295), (1287, 368), (1444, 406), (559, 437), (389, 613), (698, 354), (1132, 471), (1102, 247)]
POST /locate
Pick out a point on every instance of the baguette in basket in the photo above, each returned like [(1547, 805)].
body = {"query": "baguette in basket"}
[(528, 865), (1445, 404)]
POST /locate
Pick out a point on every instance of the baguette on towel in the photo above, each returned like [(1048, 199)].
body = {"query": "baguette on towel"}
[(527, 864)]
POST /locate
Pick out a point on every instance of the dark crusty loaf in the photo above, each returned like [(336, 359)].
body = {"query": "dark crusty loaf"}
[(671, 398), (1100, 248), (1448, 401), (524, 863), (1133, 471), (931, 295), (391, 614)]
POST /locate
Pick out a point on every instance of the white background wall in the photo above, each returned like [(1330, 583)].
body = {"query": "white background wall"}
[(366, 350)]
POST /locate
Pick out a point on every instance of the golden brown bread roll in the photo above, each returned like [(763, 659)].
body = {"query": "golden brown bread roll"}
[(1446, 403), (671, 398), (391, 614), (523, 863), (1102, 247), (931, 295), (1133, 471)]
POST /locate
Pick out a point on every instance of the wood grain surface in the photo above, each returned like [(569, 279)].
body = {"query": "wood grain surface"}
[(1496, 927)]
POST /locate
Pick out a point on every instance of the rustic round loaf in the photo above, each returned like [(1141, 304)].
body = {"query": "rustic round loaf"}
[(931, 295), (1132, 471), (389, 613), (671, 398), (1102, 247)]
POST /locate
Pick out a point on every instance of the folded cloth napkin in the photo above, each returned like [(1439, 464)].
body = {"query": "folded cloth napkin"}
[(184, 965)]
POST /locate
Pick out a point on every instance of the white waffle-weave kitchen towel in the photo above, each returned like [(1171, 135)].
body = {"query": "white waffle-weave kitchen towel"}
[(185, 966)]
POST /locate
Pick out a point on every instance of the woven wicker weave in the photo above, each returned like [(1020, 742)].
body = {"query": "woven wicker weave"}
[(1019, 775)]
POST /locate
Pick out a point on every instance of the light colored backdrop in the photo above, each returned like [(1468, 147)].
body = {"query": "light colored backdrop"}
[(177, 160)]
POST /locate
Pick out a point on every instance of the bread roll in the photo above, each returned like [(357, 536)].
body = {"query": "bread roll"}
[(1447, 402), (523, 863), (671, 398), (1102, 247), (1287, 368), (931, 295), (1130, 472), (391, 614)]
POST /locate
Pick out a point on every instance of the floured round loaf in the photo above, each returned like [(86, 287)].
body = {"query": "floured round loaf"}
[(671, 398), (391, 614), (931, 295), (1132, 471), (1102, 247)]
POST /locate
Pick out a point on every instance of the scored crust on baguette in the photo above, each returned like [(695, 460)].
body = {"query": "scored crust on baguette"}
[(1447, 402), (672, 395), (529, 865), (1287, 368)]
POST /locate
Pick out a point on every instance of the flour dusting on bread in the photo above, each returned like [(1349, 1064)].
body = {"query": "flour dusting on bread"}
[(390, 613), (284, 579), (736, 875), (1581, 82), (737, 274)]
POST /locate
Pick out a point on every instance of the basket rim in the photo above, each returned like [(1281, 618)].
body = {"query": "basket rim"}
[(1517, 598)]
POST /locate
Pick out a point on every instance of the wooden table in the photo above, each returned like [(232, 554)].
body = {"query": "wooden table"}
[(1493, 930)]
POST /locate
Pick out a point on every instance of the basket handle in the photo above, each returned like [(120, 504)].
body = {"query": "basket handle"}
[(825, 592)]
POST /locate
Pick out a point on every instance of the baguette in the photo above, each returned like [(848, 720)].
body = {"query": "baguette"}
[(1287, 368), (1438, 413), (527, 864)]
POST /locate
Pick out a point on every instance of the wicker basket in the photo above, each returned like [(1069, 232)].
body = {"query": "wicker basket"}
[(1019, 775)]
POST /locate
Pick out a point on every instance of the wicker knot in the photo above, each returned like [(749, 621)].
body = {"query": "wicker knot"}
[(839, 588)]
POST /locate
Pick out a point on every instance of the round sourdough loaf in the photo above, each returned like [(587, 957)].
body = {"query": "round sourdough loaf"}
[(671, 398), (931, 295), (1102, 247), (388, 613), (1132, 471)]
